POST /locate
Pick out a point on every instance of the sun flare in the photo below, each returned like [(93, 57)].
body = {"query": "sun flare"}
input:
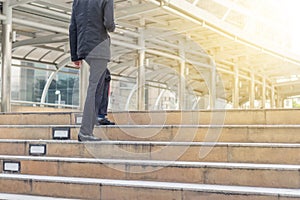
[(290, 10)]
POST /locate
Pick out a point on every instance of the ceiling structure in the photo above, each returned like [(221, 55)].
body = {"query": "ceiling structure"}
[(242, 39)]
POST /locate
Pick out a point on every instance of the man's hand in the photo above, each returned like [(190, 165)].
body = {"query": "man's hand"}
[(77, 63)]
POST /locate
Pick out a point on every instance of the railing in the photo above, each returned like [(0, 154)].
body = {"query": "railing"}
[(38, 104)]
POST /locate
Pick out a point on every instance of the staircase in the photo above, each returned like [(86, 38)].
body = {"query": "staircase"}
[(207, 155)]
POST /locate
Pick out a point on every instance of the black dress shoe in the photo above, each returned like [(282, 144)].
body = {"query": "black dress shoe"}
[(105, 121), (91, 138)]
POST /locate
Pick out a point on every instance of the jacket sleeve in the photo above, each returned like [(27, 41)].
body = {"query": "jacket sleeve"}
[(73, 36), (109, 21)]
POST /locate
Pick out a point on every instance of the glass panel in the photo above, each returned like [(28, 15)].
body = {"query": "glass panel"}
[(28, 85)]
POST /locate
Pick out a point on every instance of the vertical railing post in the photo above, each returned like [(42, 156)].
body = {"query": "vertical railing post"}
[(6, 57)]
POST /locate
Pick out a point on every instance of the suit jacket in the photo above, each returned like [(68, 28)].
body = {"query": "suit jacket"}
[(88, 32)]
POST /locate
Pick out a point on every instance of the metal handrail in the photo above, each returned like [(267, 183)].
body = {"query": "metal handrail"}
[(43, 104)]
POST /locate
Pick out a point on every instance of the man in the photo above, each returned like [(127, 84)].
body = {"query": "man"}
[(89, 40)]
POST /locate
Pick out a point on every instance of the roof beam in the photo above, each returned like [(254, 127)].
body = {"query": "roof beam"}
[(288, 83), (14, 3), (45, 11), (136, 10), (56, 38), (41, 26), (57, 4), (215, 24), (246, 12)]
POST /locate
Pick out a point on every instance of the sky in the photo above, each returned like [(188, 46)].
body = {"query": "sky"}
[(291, 9)]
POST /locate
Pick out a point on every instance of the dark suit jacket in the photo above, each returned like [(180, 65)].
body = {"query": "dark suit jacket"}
[(88, 32)]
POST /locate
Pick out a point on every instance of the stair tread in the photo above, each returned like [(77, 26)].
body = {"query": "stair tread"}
[(161, 143), (28, 197), (156, 126), (157, 162), (38, 112), (160, 185)]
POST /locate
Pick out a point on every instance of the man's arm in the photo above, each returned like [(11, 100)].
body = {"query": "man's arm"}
[(73, 36), (109, 21)]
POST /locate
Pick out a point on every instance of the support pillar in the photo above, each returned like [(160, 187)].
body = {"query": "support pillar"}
[(83, 86), (280, 101), (236, 90), (6, 57), (213, 88), (263, 101), (278, 104), (141, 78), (272, 96), (182, 86), (252, 91)]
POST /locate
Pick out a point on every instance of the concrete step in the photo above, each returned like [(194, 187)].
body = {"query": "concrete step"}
[(87, 188), (258, 175), (215, 117), (179, 133), (62, 118), (212, 117), (28, 197), (277, 153)]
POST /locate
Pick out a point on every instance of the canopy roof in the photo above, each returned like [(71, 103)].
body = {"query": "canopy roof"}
[(228, 34)]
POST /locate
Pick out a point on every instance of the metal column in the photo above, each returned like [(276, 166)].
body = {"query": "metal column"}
[(282, 101), (252, 90), (6, 57), (278, 102), (273, 97), (141, 77), (84, 83), (236, 89), (213, 89), (182, 86), (263, 101)]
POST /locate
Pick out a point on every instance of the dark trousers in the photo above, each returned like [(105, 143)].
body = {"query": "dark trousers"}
[(96, 101), (103, 91)]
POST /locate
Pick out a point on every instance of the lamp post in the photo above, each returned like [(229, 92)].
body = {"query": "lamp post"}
[(57, 92)]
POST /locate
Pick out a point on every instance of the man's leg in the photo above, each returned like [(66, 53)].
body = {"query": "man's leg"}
[(103, 94), (104, 102), (97, 75), (100, 94)]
